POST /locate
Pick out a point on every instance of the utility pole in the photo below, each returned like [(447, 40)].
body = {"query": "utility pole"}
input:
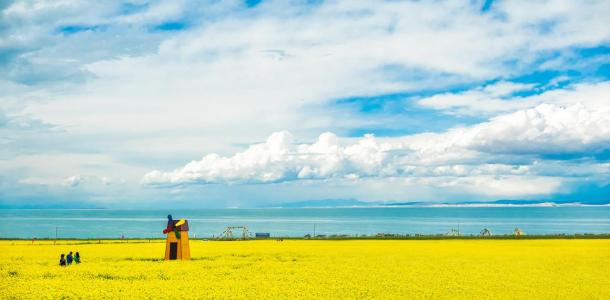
[(55, 236), (314, 230)]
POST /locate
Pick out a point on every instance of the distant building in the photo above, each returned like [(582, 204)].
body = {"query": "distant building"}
[(262, 235)]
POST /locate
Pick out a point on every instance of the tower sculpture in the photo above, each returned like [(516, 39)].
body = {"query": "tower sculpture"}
[(177, 240)]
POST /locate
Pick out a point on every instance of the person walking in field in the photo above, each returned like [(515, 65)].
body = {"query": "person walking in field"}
[(77, 258), (62, 260), (69, 258)]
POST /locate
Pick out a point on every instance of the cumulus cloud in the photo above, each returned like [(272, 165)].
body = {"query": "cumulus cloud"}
[(545, 129), (280, 159)]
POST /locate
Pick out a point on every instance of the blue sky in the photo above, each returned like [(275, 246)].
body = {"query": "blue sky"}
[(249, 103)]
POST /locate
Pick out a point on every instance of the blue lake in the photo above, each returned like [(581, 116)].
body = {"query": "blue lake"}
[(102, 223)]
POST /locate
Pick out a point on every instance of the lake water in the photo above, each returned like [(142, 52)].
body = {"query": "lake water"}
[(101, 223)]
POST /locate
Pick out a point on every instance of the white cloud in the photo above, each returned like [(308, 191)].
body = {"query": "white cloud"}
[(495, 185), (199, 77), (36, 181), (593, 95), (543, 130), (280, 159), (146, 97), (73, 181), (499, 98), (492, 98), (460, 152)]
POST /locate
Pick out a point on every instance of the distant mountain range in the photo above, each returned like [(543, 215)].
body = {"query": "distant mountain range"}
[(497, 203), (324, 203), (62, 205), (327, 203)]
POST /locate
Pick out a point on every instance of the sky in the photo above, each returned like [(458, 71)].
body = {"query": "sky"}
[(252, 103)]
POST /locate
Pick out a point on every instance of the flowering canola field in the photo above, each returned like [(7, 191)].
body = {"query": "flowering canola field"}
[(349, 269)]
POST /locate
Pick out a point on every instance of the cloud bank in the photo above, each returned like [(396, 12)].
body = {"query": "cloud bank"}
[(462, 152)]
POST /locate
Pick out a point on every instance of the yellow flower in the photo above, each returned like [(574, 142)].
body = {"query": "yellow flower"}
[(310, 269)]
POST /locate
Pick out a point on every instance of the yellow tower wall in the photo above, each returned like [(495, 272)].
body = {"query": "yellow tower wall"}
[(184, 251)]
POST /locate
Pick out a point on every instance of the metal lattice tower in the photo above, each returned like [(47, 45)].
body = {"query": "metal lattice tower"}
[(228, 233), (485, 232)]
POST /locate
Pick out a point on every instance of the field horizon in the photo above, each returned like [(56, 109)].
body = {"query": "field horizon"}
[(92, 240)]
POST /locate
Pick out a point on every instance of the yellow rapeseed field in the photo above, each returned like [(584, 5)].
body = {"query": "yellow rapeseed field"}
[(350, 269)]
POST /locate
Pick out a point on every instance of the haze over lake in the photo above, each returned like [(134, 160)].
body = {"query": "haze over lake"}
[(297, 222)]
